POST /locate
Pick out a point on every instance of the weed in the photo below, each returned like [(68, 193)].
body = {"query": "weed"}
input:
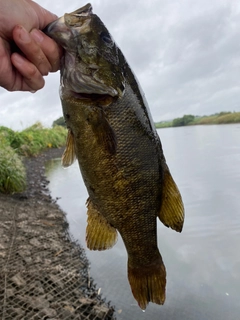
[(12, 171)]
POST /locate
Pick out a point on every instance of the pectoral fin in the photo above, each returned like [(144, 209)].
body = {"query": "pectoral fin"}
[(69, 155), (102, 130), (172, 209), (100, 235)]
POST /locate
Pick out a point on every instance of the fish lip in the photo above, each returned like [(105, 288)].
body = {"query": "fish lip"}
[(56, 27), (61, 24), (83, 11)]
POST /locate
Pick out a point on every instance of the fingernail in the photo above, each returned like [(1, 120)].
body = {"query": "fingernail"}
[(37, 35), (24, 35)]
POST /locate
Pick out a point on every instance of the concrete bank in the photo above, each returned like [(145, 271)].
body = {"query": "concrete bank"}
[(44, 274)]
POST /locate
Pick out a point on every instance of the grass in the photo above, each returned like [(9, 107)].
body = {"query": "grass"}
[(163, 124), (29, 142), (35, 139), (221, 118), (12, 171)]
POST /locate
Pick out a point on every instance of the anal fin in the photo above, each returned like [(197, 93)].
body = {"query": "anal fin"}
[(100, 235), (172, 210)]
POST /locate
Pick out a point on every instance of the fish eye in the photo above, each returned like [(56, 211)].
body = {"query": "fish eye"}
[(106, 37)]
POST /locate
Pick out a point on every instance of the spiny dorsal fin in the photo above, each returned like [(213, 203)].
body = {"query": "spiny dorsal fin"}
[(172, 209), (69, 155), (100, 235)]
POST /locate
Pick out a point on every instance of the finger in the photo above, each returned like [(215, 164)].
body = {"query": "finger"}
[(6, 72), (49, 47), (31, 79), (31, 49), (17, 73), (44, 16)]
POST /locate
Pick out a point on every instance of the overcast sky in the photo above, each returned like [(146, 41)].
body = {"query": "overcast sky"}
[(186, 55)]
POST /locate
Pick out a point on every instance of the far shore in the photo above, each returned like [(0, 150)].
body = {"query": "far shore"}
[(190, 120)]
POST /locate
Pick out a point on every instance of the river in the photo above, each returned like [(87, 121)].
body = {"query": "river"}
[(203, 262)]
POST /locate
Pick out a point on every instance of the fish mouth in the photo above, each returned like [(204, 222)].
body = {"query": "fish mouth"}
[(77, 74), (61, 30), (83, 84)]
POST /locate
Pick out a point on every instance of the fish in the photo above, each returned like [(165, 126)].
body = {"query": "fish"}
[(112, 135)]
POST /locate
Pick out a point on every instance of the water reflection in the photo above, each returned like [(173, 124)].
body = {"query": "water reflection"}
[(203, 262)]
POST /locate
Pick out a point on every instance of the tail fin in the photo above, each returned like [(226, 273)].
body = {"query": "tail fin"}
[(148, 283)]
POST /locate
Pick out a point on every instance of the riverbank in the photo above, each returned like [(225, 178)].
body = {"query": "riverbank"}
[(44, 274), (191, 120)]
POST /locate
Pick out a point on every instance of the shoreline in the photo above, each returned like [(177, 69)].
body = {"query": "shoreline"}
[(44, 273)]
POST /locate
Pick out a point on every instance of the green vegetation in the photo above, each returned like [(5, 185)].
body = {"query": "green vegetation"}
[(220, 118), (12, 171), (217, 118), (29, 142), (184, 121), (59, 122), (34, 139), (163, 124)]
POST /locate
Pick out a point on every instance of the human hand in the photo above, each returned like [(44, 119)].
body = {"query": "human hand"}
[(20, 21)]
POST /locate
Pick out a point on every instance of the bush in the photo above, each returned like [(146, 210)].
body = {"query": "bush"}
[(28, 142), (12, 171), (59, 122), (36, 138), (184, 121), (6, 135)]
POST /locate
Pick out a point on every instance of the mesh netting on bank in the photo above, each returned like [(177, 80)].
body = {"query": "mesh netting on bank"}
[(43, 273)]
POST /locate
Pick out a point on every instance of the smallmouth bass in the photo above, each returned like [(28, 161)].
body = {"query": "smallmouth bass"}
[(112, 135)]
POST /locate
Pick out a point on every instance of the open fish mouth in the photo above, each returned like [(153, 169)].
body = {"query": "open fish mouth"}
[(82, 85), (84, 81), (81, 72), (61, 29)]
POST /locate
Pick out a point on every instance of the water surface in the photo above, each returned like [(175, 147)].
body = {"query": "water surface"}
[(203, 262)]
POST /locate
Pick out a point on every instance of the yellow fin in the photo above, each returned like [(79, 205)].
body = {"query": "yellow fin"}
[(172, 209), (100, 235), (148, 283), (69, 155)]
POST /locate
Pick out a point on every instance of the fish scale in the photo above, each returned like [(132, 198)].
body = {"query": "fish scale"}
[(111, 133)]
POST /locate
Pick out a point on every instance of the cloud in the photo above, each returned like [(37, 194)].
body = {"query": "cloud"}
[(185, 55)]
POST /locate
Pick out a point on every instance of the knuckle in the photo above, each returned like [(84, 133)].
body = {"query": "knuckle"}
[(43, 65), (52, 50), (36, 85), (53, 55), (32, 72), (44, 68), (55, 66)]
